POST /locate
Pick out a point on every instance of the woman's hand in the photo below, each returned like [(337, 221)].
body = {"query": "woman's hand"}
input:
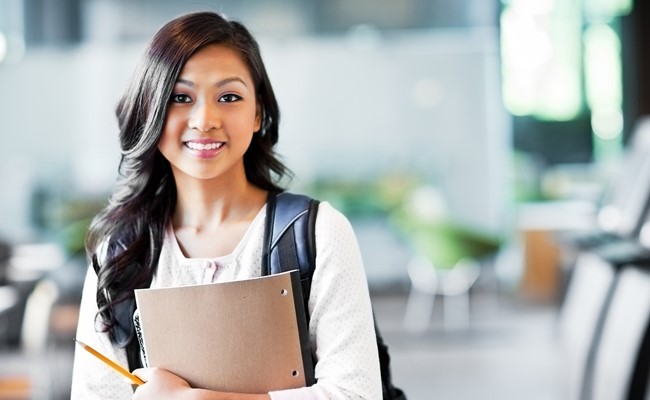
[(160, 384), (163, 385)]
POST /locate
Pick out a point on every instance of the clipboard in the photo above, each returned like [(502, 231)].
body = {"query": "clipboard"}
[(247, 336)]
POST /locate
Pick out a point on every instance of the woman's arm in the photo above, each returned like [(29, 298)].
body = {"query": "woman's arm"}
[(341, 321), (162, 385), (92, 379)]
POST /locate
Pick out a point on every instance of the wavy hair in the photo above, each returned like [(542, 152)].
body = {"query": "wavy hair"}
[(125, 238)]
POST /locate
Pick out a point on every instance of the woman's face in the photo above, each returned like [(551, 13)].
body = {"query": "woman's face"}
[(211, 116)]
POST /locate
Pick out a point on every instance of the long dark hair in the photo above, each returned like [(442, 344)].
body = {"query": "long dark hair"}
[(125, 239)]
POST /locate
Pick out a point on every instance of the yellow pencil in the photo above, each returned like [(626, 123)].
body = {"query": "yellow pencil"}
[(110, 363)]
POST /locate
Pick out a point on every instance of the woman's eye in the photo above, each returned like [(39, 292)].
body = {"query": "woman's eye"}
[(181, 98), (229, 98)]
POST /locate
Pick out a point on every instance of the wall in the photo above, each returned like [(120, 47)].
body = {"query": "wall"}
[(353, 106)]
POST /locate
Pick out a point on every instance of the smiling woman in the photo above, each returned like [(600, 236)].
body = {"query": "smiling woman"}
[(213, 115), (198, 125)]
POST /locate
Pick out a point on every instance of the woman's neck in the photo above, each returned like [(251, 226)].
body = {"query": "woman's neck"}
[(205, 206)]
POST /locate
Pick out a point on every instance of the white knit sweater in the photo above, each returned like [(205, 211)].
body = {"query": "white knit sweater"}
[(341, 328)]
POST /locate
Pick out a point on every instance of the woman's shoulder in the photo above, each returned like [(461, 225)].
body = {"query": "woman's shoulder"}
[(331, 219), (328, 211)]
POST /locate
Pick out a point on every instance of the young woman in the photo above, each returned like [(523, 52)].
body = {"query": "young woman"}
[(198, 124)]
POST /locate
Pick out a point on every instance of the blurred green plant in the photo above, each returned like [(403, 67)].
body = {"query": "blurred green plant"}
[(72, 237), (424, 222), (73, 219), (417, 211), (445, 243), (367, 198)]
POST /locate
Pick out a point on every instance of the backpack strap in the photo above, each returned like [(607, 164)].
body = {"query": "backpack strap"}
[(290, 218), (290, 244)]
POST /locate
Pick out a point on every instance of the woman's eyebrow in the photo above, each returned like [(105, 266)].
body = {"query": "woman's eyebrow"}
[(219, 83), (226, 81), (185, 82)]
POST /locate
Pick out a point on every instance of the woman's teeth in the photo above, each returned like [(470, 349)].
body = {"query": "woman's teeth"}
[(203, 146)]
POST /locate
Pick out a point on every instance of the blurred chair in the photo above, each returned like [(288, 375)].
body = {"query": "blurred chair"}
[(37, 317), (593, 296), (581, 317), (5, 256), (622, 358), (623, 217), (421, 299), (9, 298), (623, 207), (603, 327), (452, 284), (626, 201), (445, 259), (35, 337), (49, 324)]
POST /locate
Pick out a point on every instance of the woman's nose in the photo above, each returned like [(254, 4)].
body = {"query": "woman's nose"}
[(204, 117)]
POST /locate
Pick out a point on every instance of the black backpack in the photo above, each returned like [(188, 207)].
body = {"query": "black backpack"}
[(290, 243)]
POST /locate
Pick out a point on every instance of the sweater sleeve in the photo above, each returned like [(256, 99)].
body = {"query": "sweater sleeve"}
[(92, 379), (341, 323)]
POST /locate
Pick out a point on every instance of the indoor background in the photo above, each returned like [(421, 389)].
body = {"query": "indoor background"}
[(461, 138)]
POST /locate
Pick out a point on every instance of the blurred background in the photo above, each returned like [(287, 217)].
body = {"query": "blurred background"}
[(482, 149)]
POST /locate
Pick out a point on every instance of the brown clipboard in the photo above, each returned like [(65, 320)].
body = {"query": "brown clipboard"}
[(247, 336)]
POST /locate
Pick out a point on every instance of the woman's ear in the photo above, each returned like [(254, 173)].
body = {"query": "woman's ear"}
[(258, 116)]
